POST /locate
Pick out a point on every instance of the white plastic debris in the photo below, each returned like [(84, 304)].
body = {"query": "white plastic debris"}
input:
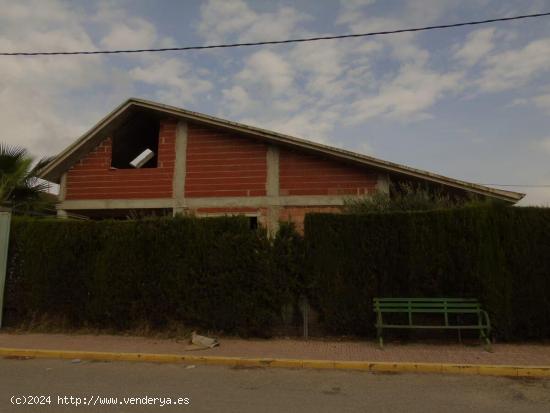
[(142, 158), (203, 341)]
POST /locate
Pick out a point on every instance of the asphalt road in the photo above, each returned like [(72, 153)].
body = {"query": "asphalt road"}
[(224, 389)]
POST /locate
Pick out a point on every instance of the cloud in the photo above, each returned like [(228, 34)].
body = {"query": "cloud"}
[(221, 19), (47, 102), (35, 92), (125, 31), (514, 68), (267, 70), (543, 102), (477, 45), (175, 80), (408, 96), (536, 196), (350, 9), (545, 144), (237, 99)]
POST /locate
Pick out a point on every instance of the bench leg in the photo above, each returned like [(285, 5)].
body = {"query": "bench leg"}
[(484, 339), (380, 339)]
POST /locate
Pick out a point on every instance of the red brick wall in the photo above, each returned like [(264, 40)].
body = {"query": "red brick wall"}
[(221, 163), (93, 178), (305, 174)]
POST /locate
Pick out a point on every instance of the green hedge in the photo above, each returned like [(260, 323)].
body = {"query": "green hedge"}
[(500, 255), (212, 273), (218, 274)]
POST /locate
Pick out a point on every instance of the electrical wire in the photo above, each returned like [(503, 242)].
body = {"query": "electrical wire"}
[(519, 185), (299, 40)]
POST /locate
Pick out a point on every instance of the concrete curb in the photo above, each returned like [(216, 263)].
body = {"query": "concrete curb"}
[(375, 367)]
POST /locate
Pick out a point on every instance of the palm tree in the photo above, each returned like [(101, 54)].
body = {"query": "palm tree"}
[(20, 187)]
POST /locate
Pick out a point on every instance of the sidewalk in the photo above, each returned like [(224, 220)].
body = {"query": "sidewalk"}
[(315, 349)]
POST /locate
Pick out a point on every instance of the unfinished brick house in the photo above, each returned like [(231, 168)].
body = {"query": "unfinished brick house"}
[(208, 166)]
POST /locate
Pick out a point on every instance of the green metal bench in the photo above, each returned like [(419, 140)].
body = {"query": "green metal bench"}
[(444, 306)]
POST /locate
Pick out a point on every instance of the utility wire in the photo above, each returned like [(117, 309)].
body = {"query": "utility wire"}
[(519, 185), (300, 40)]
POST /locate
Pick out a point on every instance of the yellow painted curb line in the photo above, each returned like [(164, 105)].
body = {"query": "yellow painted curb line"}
[(375, 367)]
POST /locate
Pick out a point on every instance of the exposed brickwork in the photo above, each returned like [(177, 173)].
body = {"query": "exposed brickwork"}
[(221, 163), (297, 214), (93, 178), (305, 174)]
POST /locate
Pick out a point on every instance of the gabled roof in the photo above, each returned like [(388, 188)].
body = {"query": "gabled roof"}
[(73, 153)]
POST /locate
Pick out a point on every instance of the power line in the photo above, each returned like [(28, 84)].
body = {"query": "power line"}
[(299, 40), (519, 185)]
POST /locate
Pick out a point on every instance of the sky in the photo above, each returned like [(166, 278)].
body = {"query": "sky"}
[(472, 103)]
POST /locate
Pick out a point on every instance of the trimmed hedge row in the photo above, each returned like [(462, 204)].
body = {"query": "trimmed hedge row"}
[(218, 274), (500, 255), (212, 273)]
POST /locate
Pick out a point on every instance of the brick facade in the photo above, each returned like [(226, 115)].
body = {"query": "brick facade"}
[(93, 178), (222, 164), (305, 174)]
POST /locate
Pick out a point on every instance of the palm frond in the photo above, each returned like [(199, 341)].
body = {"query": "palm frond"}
[(10, 157), (41, 164)]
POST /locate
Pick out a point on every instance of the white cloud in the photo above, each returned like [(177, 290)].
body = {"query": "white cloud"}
[(138, 34), (545, 144), (126, 31), (34, 92), (266, 69), (543, 102), (408, 96), (174, 79), (350, 9), (476, 46), (47, 102), (237, 99), (514, 68), (221, 19), (536, 196)]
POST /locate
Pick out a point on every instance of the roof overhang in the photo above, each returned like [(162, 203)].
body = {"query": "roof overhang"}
[(105, 127)]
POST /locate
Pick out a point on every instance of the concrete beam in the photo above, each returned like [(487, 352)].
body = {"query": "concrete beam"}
[(180, 168), (383, 184), (206, 202), (263, 201), (116, 204), (272, 184), (62, 187), (272, 190)]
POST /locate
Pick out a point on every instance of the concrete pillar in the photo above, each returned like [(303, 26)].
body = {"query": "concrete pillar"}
[(62, 195), (5, 220), (180, 169), (272, 190), (61, 213), (383, 184)]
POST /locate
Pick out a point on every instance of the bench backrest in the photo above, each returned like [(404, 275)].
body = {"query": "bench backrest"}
[(426, 305)]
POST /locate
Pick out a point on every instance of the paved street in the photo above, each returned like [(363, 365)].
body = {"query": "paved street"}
[(223, 389)]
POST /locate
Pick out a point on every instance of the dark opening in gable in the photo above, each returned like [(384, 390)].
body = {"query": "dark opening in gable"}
[(138, 133)]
